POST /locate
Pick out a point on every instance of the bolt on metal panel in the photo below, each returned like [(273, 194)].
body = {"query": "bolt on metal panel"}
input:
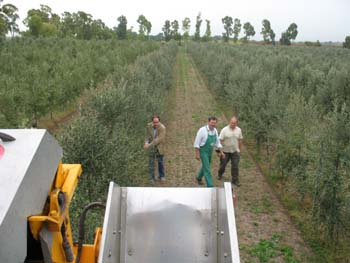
[(111, 235)]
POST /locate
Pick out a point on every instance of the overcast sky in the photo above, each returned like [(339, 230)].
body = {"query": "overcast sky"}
[(324, 20)]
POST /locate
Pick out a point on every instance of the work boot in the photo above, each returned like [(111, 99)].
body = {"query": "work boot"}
[(199, 181), (237, 183)]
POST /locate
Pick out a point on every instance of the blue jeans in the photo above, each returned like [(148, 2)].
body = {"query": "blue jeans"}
[(160, 159)]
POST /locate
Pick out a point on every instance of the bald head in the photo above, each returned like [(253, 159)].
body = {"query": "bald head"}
[(233, 122)]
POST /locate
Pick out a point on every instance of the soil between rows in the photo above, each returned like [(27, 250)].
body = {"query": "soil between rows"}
[(259, 214)]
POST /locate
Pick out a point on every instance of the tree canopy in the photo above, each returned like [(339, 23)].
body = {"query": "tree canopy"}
[(248, 31), (167, 30), (228, 22), (42, 22), (289, 35), (267, 32), (197, 34), (346, 43), (145, 26), (121, 29), (8, 19), (236, 29), (207, 34), (175, 30), (186, 25)]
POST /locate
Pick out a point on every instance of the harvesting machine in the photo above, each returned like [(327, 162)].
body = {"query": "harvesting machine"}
[(141, 224)]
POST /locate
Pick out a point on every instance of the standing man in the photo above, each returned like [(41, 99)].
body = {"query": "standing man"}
[(154, 144), (231, 140), (207, 138)]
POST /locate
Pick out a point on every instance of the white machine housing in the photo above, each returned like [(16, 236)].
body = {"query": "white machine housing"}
[(27, 170)]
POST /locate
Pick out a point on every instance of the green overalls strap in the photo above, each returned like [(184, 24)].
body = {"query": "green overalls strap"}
[(205, 153)]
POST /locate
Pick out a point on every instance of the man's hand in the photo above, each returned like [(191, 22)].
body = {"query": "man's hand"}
[(222, 155), (197, 156), (146, 146)]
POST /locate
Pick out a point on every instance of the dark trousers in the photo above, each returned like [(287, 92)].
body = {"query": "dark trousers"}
[(234, 158), (152, 162)]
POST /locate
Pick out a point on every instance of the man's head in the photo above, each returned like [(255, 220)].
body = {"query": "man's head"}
[(233, 122), (212, 121), (155, 121)]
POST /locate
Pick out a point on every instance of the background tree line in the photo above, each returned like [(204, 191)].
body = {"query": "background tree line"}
[(294, 102), (231, 27), (43, 22)]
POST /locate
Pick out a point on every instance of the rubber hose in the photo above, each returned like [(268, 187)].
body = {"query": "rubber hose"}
[(82, 227)]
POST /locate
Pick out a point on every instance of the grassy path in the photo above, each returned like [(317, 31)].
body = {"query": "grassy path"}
[(189, 108), (265, 232)]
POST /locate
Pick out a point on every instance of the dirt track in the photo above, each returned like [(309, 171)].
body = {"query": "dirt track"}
[(259, 214)]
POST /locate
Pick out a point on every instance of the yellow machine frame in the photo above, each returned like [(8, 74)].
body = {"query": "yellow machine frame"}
[(57, 217)]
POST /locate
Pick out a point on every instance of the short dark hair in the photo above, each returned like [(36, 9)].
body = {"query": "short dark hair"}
[(155, 116), (212, 118)]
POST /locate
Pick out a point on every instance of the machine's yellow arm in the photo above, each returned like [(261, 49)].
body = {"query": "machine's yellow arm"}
[(53, 227)]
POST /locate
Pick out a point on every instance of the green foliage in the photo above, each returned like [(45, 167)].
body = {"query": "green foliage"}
[(227, 21), (248, 31), (175, 30), (268, 249), (3, 27), (284, 40), (44, 23), (289, 35), (81, 25), (107, 138), (167, 30), (186, 24), (236, 29), (312, 44), (8, 18), (346, 43), (292, 31), (332, 173), (267, 32), (121, 29), (41, 75), (294, 140), (103, 159), (294, 103), (197, 34), (41, 22), (207, 34), (145, 27)]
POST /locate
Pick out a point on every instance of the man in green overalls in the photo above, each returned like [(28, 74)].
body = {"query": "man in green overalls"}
[(207, 138)]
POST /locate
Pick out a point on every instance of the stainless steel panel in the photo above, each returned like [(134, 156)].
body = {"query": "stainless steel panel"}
[(187, 225), (110, 244), (123, 207), (169, 225), (224, 253), (228, 251), (27, 170), (232, 229)]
